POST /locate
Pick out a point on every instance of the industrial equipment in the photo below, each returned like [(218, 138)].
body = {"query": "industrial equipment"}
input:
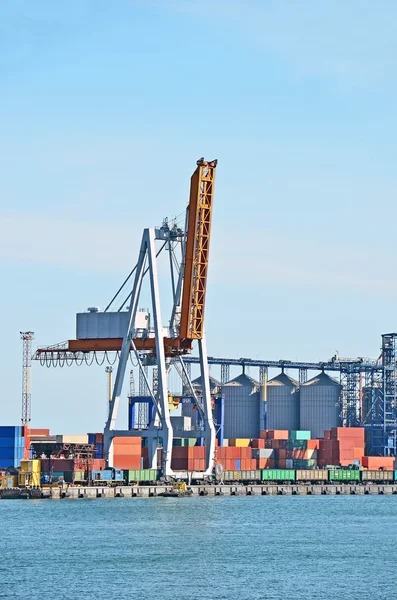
[(130, 331)]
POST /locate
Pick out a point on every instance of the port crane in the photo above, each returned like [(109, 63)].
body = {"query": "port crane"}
[(162, 347)]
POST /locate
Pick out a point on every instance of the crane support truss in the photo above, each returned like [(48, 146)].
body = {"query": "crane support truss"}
[(197, 251), (26, 337)]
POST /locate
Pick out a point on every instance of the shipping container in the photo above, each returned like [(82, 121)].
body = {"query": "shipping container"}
[(138, 475), (14, 431), (311, 475), (377, 475), (278, 475), (300, 434), (344, 475)]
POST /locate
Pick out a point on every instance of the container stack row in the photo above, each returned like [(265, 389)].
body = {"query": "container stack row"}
[(12, 446)]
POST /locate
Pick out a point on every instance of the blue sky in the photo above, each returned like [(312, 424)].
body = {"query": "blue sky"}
[(104, 109)]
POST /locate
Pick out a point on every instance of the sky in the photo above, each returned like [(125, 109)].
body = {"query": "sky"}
[(105, 108)]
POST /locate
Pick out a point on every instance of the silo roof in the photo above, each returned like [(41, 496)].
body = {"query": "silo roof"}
[(243, 380), (213, 382), (322, 379), (283, 379)]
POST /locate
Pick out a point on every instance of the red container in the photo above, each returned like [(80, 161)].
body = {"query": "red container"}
[(258, 443), (57, 465), (39, 432), (263, 434)]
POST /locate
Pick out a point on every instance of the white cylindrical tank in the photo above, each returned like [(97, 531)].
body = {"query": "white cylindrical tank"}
[(320, 405), (282, 403)]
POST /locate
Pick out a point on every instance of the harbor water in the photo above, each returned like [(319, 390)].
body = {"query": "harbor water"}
[(222, 548)]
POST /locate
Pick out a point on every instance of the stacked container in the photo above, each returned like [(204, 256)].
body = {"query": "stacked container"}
[(127, 452), (342, 446), (188, 458), (97, 440), (12, 446)]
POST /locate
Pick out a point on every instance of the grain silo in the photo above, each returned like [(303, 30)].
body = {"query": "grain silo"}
[(320, 405), (282, 403), (242, 407), (189, 409)]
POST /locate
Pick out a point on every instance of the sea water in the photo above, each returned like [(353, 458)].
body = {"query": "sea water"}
[(219, 548)]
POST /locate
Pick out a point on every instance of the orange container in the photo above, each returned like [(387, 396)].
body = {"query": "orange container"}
[(348, 432), (313, 444), (128, 441), (127, 462), (278, 434), (374, 463), (126, 450)]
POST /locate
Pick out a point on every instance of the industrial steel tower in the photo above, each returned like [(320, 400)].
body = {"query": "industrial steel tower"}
[(26, 337)]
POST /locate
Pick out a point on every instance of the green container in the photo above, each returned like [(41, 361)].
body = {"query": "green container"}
[(344, 475), (278, 475), (185, 442), (296, 444), (79, 476), (141, 475), (395, 475), (300, 435)]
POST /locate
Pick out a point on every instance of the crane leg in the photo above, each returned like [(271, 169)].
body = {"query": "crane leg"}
[(125, 350), (209, 428), (167, 432)]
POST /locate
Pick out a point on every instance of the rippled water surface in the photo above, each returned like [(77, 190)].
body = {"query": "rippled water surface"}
[(208, 548)]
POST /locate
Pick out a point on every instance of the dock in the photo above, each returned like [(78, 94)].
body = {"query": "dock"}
[(153, 491)]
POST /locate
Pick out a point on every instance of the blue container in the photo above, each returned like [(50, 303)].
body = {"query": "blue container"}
[(10, 431), (99, 451), (6, 462), (238, 464), (91, 438), (7, 452), (7, 442)]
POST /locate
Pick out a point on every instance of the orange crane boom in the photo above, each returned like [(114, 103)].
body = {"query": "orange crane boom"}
[(197, 250)]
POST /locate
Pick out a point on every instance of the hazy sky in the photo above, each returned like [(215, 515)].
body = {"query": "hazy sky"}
[(104, 109)]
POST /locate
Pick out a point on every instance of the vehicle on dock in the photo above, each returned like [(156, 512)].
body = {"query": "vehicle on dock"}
[(179, 490)]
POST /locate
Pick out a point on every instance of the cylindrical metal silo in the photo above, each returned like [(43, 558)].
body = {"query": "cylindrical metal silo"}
[(320, 405), (282, 403), (242, 407)]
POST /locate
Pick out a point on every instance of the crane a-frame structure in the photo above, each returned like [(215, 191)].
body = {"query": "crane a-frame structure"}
[(158, 345)]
